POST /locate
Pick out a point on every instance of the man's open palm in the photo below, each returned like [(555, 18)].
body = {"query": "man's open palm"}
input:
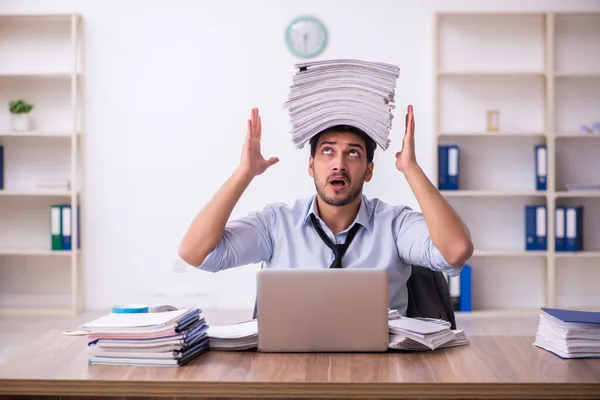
[(406, 157), (252, 161)]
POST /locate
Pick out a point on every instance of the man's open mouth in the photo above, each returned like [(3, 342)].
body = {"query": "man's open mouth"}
[(338, 183)]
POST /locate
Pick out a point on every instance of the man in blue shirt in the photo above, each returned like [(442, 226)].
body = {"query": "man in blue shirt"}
[(296, 236)]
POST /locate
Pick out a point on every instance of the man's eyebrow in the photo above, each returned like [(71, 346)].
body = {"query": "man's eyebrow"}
[(330, 142)]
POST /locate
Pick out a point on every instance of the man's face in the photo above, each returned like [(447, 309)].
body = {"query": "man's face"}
[(339, 167)]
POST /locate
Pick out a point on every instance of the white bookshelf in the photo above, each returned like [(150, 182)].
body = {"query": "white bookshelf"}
[(40, 62), (541, 71)]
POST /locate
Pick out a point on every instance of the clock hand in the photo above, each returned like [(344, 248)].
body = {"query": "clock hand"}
[(305, 39)]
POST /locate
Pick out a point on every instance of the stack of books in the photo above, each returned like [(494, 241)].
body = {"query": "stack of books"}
[(170, 338), (342, 92), (569, 333), (422, 334)]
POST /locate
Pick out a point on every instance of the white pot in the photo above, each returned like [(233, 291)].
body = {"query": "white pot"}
[(20, 122)]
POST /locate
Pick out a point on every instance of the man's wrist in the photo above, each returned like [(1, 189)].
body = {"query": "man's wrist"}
[(412, 170), (243, 176)]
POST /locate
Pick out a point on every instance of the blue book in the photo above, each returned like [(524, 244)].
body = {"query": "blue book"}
[(574, 228), (584, 317), (465, 302), (448, 167), (535, 227), (559, 236), (541, 167)]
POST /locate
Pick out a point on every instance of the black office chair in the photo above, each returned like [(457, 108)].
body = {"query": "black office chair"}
[(429, 296)]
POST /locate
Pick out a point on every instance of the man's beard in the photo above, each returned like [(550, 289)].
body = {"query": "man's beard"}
[(338, 202)]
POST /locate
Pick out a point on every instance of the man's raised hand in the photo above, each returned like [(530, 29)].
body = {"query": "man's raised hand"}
[(405, 159), (252, 162)]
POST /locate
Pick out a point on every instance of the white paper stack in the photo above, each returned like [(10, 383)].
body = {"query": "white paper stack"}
[(393, 314), (155, 338), (569, 334), (423, 334), (241, 336), (342, 92)]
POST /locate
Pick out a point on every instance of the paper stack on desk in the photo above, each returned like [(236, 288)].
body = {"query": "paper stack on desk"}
[(242, 336), (157, 338), (420, 334), (569, 333), (342, 92)]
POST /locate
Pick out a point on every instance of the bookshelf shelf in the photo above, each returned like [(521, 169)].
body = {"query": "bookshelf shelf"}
[(34, 311), (581, 194), (539, 73), (41, 63), (493, 135), (58, 135), (492, 193), (492, 74), (509, 253), (36, 193), (578, 254), (35, 252)]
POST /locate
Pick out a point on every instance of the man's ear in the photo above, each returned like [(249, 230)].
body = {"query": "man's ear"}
[(369, 173), (311, 163)]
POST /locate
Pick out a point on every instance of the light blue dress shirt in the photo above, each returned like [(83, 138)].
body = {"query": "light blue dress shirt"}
[(283, 236)]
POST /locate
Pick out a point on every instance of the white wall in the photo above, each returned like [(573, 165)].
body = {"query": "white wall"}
[(169, 86)]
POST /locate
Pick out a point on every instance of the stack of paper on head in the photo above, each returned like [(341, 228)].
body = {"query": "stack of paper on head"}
[(423, 334), (156, 338), (242, 336), (569, 334), (342, 92)]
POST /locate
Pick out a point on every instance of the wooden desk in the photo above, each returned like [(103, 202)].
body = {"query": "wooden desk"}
[(491, 367)]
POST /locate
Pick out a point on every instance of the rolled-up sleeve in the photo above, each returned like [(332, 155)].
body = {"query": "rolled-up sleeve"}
[(414, 243), (246, 240)]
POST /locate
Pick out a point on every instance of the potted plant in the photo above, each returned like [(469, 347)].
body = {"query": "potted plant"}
[(19, 111)]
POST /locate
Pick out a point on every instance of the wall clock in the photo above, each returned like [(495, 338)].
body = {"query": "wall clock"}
[(306, 37)]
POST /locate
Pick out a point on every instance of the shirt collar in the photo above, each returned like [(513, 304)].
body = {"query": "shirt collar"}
[(362, 217)]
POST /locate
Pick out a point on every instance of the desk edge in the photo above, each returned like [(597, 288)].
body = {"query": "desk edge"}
[(508, 390)]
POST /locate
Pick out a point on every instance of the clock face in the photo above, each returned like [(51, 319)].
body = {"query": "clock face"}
[(306, 37)]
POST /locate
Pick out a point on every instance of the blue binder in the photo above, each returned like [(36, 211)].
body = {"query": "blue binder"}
[(535, 227), (574, 228), (465, 302), (66, 226), (541, 167), (559, 229), (448, 167), (1, 167)]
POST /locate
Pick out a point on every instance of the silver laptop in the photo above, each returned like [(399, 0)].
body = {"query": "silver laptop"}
[(322, 310)]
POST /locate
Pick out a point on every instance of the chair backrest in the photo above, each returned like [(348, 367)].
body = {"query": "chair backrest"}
[(429, 295)]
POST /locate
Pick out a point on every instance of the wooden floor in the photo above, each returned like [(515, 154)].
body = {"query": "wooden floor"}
[(18, 331)]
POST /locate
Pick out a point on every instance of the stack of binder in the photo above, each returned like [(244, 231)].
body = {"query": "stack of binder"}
[(569, 333), (170, 338), (61, 227), (569, 228)]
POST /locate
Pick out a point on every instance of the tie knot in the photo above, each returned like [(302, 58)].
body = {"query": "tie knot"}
[(340, 249)]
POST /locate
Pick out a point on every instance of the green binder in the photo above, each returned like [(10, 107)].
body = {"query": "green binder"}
[(56, 226)]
